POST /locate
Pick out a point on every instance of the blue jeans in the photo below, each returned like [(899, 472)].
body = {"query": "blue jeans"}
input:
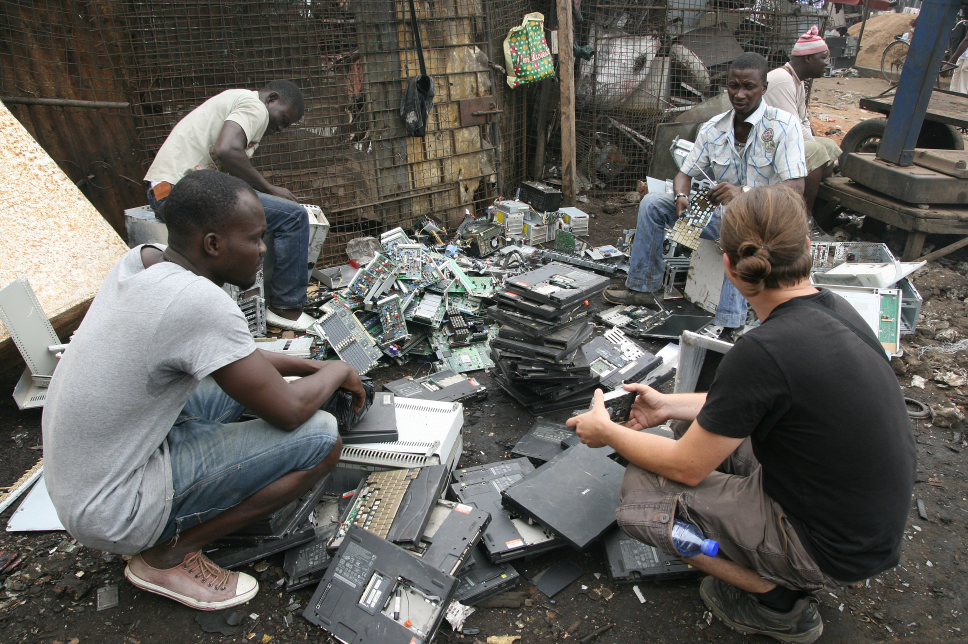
[(656, 211), (216, 464), (288, 222)]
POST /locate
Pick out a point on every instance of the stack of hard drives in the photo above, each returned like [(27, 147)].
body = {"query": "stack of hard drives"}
[(544, 321)]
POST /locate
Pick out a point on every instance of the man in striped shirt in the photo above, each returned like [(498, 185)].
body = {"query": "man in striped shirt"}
[(751, 145)]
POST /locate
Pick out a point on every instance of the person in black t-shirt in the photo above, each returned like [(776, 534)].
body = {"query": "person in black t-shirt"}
[(799, 461)]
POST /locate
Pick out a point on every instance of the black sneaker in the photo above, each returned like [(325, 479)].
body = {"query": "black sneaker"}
[(741, 612)]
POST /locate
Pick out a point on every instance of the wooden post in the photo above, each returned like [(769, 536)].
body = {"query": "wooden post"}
[(566, 71), (863, 25)]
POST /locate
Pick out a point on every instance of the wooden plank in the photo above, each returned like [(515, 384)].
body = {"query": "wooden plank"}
[(566, 67), (944, 108), (941, 252), (948, 220), (65, 258), (913, 246)]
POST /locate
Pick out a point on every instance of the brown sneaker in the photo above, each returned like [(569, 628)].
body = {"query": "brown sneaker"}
[(633, 298), (741, 612), (195, 582)]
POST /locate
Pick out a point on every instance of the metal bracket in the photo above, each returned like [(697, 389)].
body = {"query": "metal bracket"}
[(474, 111)]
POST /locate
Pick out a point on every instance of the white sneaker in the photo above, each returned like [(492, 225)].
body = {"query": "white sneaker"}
[(303, 322)]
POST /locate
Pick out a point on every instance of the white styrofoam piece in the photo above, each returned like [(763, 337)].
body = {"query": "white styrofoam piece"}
[(318, 229), (879, 275), (655, 185), (36, 513)]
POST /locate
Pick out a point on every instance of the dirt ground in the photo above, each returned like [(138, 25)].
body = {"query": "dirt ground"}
[(51, 596), (834, 103)]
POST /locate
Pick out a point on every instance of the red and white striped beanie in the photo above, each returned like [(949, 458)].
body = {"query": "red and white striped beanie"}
[(809, 43)]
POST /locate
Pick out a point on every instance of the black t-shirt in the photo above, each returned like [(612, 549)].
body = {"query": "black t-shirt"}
[(829, 427)]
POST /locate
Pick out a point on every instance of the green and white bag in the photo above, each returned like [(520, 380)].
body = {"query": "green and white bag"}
[(526, 52)]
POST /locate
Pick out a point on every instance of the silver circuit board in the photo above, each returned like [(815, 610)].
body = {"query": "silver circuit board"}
[(429, 310), (340, 328)]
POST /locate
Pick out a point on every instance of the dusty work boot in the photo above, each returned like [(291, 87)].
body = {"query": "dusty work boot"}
[(195, 582), (741, 612), (633, 298)]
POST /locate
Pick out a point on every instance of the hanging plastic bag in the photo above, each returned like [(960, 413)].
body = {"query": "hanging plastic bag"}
[(418, 97), (526, 52), (340, 405), (418, 100)]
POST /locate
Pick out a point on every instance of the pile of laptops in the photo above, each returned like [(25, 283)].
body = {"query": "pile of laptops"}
[(544, 321)]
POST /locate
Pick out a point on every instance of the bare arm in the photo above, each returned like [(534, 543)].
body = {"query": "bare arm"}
[(230, 150), (290, 366), (256, 382), (652, 408), (794, 184), (681, 183), (960, 50), (688, 460)]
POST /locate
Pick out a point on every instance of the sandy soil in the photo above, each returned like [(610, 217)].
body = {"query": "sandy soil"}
[(834, 101), (878, 34)]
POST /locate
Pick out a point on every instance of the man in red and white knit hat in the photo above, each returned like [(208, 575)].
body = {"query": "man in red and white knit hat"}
[(786, 91)]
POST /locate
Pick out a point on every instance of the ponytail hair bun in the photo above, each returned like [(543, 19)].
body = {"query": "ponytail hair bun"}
[(764, 235)]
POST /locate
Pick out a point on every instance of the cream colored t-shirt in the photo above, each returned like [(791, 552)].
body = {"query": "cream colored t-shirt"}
[(191, 144), (786, 91)]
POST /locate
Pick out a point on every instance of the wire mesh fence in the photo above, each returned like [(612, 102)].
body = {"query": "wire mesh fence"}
[(350, 153), (655, 60)]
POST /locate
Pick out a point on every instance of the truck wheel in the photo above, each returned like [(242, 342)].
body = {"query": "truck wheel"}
[(863, 137), (940, 136), (866, 136)]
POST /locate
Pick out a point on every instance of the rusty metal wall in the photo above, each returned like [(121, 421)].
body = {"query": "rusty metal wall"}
[(67, 49), (350, 153)]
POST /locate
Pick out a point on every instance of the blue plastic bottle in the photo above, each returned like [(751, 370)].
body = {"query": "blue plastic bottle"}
[(689, 541)]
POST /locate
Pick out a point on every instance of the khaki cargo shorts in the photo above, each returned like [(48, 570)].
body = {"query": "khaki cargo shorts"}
[(730, 507), (820, 151)]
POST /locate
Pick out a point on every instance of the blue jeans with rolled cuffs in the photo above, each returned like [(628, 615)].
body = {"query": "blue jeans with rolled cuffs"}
[(216, 464), (288, 222), (656, 211)]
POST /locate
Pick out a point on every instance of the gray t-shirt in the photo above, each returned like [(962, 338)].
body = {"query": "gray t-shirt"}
[(148, 339)]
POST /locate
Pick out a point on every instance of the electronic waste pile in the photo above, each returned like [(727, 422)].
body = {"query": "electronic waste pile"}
[(398, 538)]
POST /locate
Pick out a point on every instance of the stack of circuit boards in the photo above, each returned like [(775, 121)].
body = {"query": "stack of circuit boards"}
[(409, 302), (544, 321)]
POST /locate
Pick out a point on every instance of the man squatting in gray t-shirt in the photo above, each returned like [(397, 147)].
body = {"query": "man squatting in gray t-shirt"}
[(141, 456)]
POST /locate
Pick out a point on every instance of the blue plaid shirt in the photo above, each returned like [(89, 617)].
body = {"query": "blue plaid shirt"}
[(773, 150)]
